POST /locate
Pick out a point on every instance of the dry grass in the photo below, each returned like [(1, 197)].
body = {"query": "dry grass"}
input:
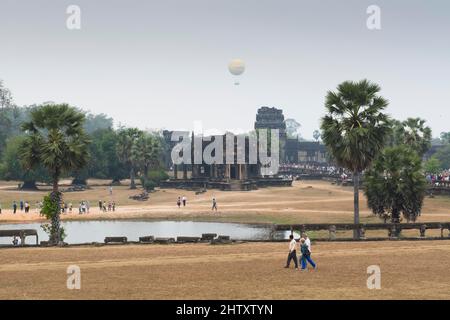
[(409, 270), (305, 202)]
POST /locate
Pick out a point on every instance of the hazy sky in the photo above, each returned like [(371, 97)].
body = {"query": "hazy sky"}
[(163, 64)]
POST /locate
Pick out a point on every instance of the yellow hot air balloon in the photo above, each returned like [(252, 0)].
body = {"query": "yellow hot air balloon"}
[(236, 68)]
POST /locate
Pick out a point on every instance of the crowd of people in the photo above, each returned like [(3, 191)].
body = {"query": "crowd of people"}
[(24, 206), (66, 207), (322, 169), (437, 179), (107, 207)]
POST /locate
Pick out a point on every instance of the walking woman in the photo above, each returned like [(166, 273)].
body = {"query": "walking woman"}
[(306, 255)]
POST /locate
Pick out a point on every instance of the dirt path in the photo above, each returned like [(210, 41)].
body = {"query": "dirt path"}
[(305, 202)]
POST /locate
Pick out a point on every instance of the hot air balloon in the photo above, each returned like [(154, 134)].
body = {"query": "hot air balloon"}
[(236, 68)]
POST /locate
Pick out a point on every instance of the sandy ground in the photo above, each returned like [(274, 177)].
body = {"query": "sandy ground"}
[(409, 270), (305, 202)]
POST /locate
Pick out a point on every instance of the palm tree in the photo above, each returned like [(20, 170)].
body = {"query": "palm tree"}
[(55, 139), (395, 184), (145, 153), (125, 141), (413, 133), (354, 129), (316, 135)]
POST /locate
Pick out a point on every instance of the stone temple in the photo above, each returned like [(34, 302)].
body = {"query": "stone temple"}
[(241, 175)]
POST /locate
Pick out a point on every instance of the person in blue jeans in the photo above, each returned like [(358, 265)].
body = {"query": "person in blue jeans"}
[(306, 255)]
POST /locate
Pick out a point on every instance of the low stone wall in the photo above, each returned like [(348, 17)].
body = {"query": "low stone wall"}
[(237, 185), (274, 182), (393, 229), (441, 190)]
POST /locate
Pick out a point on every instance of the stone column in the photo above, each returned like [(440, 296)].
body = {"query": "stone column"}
[(227, 171), (175, 172), (184, 171)]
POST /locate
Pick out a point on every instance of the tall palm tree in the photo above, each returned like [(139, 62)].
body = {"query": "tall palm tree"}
[(55, 139), (414, 133), (145, 153), (125, 141), (355, 128)]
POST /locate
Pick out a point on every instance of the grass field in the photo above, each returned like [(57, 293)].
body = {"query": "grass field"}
[(305, 202), (409, 270)]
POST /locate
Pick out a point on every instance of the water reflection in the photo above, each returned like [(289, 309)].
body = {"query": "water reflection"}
[(96, 231)]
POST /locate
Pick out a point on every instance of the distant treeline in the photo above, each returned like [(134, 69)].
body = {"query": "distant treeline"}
[(114, 154)]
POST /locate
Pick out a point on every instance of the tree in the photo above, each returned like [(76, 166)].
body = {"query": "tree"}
[(355, 129), (292, 128), (316, 135), (145, 153), (11, 118), (445, 137), (55, 138), (433, 165), (12, 169), (395, 184), (126, 140), (5, 96), (96, 122), (413, 133), (443, 155), (104, 162)]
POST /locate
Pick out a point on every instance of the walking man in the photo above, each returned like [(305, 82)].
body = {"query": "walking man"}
[(214, 204), (184, 201), (14, 207), (292, 252)]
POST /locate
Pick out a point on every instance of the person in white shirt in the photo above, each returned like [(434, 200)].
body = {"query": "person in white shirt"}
[(307, 241), (292, 252)]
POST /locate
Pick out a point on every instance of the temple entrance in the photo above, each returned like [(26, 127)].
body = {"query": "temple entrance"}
[(233, 172)]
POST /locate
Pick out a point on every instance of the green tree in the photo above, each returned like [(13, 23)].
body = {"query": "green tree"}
[(145, 153), (12, 169), (443, 155), (104, 162), (445, 137), (395, 184), (355, 129), (126, 140), (11, 118), (432, 165), (5, 96), (414, 133), (96, 122), (55, 138)]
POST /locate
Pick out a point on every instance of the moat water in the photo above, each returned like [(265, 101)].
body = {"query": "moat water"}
[(96, 231)]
